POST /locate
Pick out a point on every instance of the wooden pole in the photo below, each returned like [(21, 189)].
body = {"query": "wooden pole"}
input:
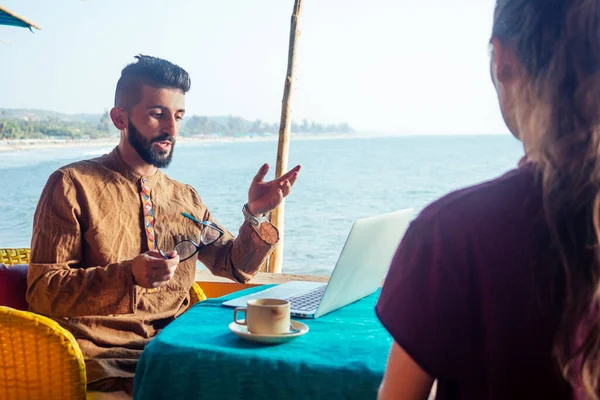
[(276, 258)]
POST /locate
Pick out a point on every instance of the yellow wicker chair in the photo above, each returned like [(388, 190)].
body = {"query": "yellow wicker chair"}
[(14, 256), (38, 358)]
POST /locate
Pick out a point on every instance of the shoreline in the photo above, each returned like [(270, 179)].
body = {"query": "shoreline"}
[(24, 145), (27, 145)]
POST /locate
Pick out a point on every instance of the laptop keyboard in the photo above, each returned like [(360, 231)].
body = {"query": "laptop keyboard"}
[(308, 301)]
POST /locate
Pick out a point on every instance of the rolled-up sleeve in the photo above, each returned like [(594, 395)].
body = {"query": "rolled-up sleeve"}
[(237, 258)]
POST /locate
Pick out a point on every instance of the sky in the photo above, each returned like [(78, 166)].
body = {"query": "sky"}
[(396, 67)]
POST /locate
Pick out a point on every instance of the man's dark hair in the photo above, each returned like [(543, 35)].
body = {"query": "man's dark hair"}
[(151, 71)]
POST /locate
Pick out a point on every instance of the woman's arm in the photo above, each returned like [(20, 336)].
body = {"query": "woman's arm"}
[(403, 378)]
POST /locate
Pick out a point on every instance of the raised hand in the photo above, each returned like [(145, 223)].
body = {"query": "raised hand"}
[(266, 196)]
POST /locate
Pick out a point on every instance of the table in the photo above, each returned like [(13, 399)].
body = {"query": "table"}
[(343, 356)]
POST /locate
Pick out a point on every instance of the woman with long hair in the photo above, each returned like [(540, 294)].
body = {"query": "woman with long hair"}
[(495, 289)]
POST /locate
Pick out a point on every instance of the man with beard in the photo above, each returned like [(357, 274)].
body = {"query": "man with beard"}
[(107, 260)]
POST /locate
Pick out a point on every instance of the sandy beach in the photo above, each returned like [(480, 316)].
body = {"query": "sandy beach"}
[(37, 144), (27, 145), (44, 144)]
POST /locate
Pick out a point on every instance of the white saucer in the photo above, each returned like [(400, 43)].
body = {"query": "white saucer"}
[(242, 331)]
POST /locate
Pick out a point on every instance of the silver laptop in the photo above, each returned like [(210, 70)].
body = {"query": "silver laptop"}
[(361, 266)]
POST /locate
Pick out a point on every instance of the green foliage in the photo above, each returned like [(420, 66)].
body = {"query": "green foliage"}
[(43, 124), (235, 126), (52, 127), (105, 123)]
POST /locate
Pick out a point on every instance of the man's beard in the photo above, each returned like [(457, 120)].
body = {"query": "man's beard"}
[(143, 146)]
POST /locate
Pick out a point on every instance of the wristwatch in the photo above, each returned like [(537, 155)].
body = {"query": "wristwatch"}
[(253, 219)]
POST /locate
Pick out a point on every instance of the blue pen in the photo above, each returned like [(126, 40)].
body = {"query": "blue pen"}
[(190, 217), (206, 223)]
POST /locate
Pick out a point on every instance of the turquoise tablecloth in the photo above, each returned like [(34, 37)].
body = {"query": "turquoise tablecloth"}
[(197, 357)]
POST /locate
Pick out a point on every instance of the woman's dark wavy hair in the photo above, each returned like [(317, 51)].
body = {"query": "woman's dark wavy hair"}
[(558, 43)]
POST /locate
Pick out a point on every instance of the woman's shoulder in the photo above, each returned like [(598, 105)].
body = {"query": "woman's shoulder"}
[(510, 197)]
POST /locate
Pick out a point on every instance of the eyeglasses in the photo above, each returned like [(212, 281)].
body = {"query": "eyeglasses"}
[(186, 249)]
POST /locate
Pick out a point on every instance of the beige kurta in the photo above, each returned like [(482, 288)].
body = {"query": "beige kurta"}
[(88, 226)]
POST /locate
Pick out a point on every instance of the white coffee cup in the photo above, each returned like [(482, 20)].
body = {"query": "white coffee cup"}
[(265, 316)]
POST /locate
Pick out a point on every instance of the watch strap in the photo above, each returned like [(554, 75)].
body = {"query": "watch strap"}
[(253, 219)]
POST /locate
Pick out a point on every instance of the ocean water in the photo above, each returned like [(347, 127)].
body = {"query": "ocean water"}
[(340, 180)]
